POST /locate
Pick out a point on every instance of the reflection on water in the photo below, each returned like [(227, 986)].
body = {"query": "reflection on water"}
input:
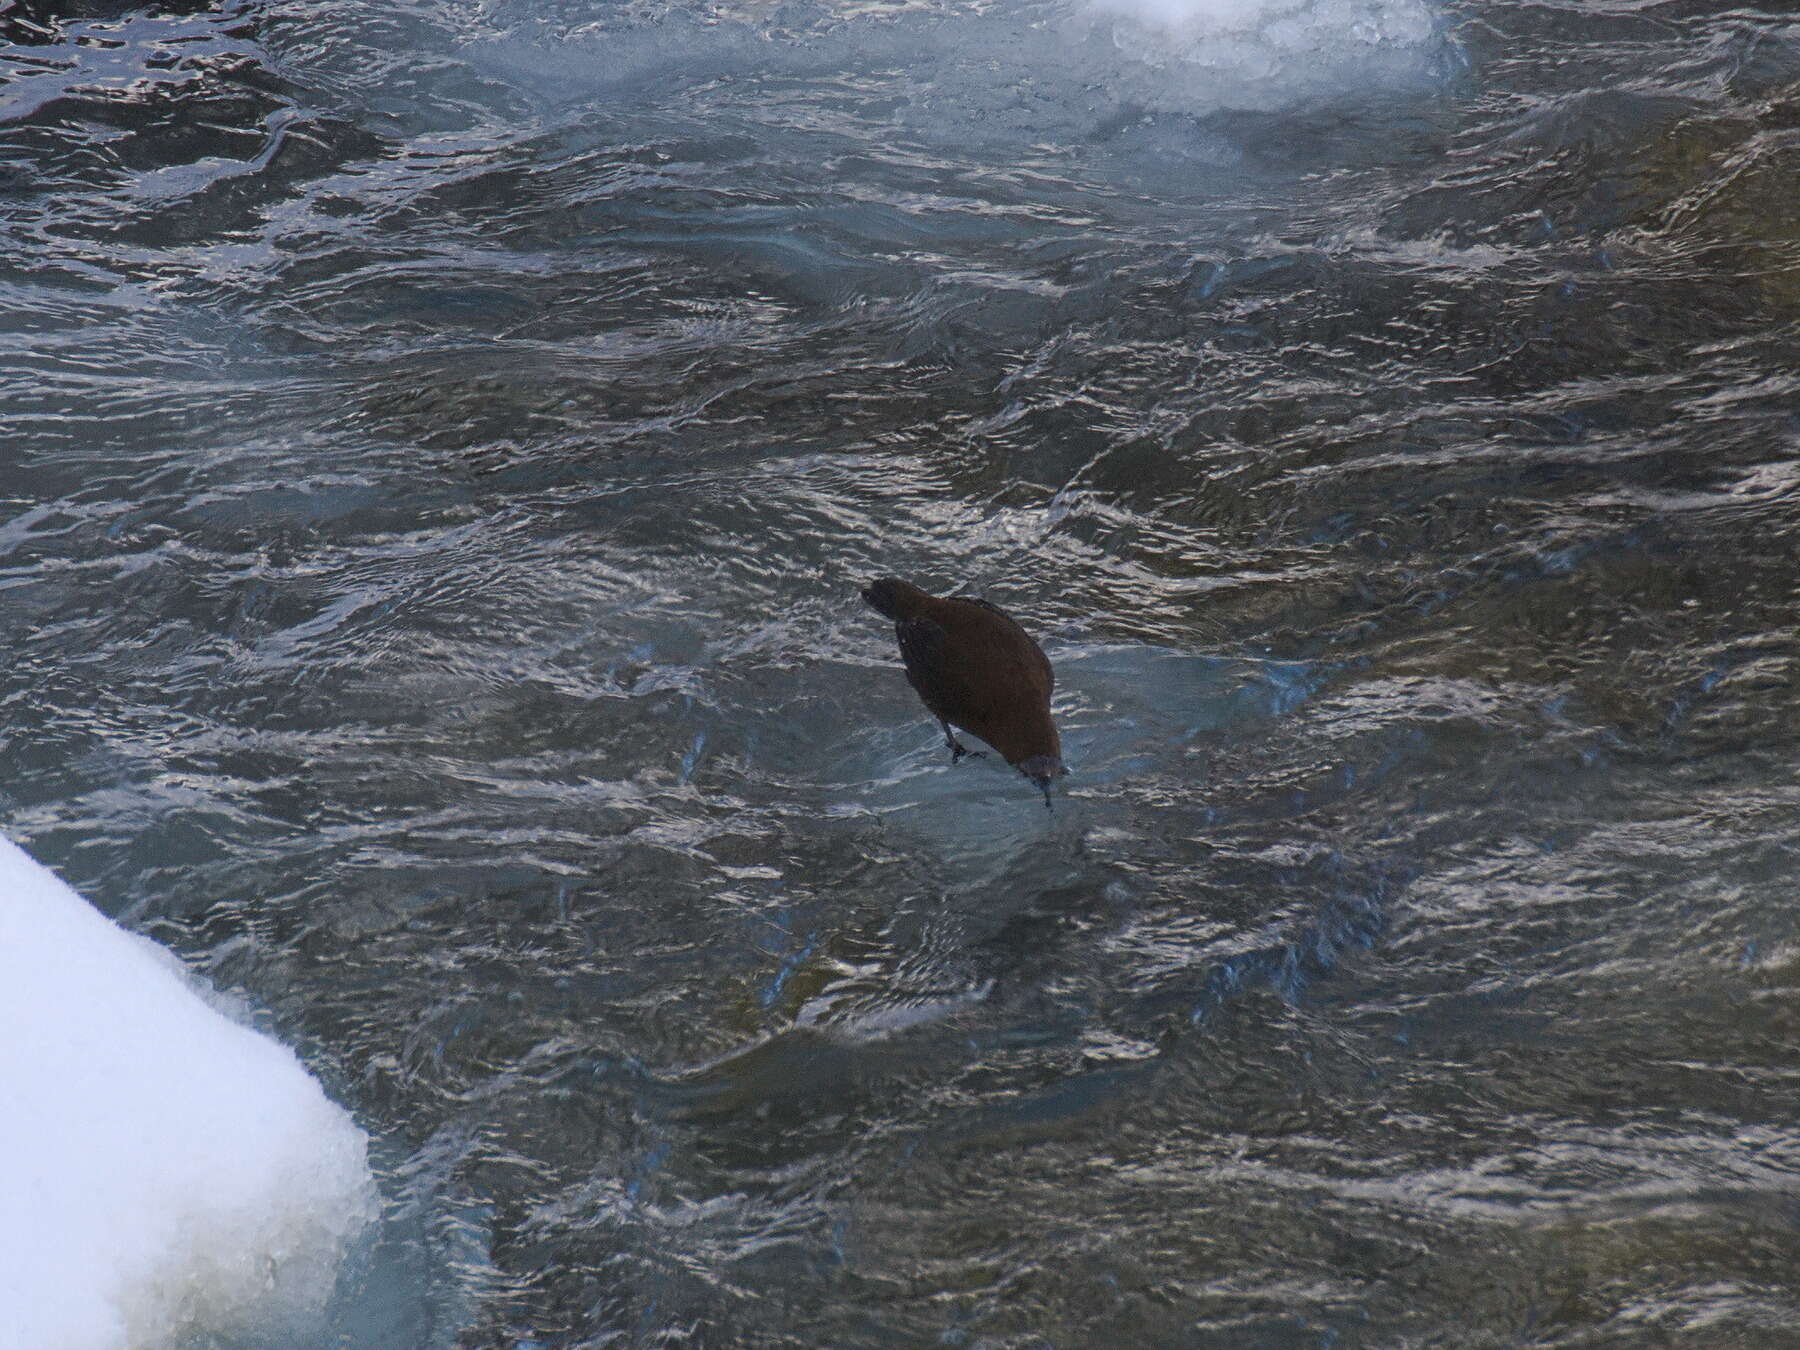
[(444, 442)]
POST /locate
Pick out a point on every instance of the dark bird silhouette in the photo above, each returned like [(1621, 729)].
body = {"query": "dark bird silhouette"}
[(976, 669)]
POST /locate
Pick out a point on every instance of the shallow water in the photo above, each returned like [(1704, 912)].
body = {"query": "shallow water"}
[(443, 444)]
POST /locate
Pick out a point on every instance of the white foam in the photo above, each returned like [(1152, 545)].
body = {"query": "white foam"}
[(164, 1171)]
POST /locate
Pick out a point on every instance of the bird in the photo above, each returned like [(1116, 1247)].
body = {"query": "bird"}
[(975, 669)]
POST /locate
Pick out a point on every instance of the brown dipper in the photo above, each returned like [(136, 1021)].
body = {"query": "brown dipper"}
[(976, 669)]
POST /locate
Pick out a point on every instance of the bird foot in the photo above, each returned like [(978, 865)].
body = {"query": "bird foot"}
[(959, 751)]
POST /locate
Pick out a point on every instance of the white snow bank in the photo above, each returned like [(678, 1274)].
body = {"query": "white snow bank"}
[(164, 1171)]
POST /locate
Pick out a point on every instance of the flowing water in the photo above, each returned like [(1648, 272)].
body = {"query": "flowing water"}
[(443, 440)]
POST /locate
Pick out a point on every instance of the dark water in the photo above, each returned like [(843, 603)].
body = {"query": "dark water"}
[(442, 442)]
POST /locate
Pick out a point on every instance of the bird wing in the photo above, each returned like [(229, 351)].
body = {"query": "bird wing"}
[(924, 646), (1037, 657)]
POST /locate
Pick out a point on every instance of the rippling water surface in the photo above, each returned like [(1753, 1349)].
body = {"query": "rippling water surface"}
[(442, 443)]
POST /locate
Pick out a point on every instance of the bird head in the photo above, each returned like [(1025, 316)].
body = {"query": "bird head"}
[(1042, 770)]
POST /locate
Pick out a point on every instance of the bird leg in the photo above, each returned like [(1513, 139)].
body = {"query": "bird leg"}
[(957, 748)]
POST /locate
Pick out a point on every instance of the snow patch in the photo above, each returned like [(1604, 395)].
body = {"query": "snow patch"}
[(164, 1171)]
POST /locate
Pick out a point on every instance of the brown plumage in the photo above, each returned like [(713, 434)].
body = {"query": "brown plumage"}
[(976, 669)]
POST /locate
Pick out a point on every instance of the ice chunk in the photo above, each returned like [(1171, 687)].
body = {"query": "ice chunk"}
[(1321, 20), (164, 1171), (1036, 71), (1264, 53)]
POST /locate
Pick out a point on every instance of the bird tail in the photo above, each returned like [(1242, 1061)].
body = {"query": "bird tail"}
[(895, 598)]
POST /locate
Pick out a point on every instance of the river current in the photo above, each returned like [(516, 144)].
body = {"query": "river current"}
[(442, 444)]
